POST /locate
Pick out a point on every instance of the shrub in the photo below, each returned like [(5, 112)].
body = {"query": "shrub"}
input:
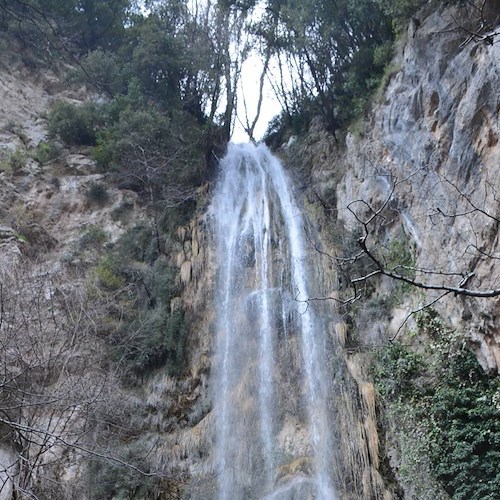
[(92, 237), (399, 255), (107, 479), (390, 70), (397, 368), (102, 153), (15, 162), (443, 405), (97, 193), (46, 151), (154, 339), (74, 125), (142, 284), (137, 244), (108, 275), (382, 54)]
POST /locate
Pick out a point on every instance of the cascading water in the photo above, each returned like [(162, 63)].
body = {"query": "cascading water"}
[(271, 371)]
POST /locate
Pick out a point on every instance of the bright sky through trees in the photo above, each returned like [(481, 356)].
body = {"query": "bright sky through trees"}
[(248, 96)]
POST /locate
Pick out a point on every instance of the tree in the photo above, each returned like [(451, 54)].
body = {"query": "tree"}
[(317, 45), (79, 25), (50, 405), (230, 45), (62, 402), (101, 24)]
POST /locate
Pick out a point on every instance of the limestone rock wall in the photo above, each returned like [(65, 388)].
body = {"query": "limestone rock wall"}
[(431, 149)]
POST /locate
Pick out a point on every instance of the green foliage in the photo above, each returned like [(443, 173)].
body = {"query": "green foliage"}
[(151, 150), (430, 324), (134, 133), (102, 24), (336, 53), (400, 9), (74, 125), (180, 215), (148, 335), (104, 69), (163, 285), (363, 75), (382, 54), (13, 127), (108, 479), (451, 407), (97, 193), (398, 367), (176, 56), (14, 162), (21, 238), (109, 276), (155, 338), (399, 256), (102, 154), (282, 126), (151, 134), (155, 57), (93, 237), (46, 151), (390, 70), (137, 244), (45, 26)]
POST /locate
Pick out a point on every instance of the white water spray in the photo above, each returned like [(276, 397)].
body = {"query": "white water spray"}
[(271, 363)]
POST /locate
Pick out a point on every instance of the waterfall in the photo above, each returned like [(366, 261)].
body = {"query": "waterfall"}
[(271, 372)]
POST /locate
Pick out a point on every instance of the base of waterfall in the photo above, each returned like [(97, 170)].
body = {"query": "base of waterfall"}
[(301, 488)]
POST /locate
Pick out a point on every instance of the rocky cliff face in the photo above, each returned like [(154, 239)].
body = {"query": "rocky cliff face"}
[(48, 230), (426, 161), (433, 148), (430, 152)]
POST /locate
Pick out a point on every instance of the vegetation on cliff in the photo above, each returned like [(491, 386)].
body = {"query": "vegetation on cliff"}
[(326, 59), (144, 126), (444, 409)]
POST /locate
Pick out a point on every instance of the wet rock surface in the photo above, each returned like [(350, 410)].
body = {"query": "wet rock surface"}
[(433, 147)]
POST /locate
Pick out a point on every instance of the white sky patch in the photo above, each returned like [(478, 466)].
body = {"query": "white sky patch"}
[(248, 94)]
